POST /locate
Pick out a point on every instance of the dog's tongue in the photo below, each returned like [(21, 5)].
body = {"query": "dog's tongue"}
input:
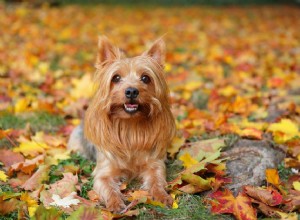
[(131, 105)]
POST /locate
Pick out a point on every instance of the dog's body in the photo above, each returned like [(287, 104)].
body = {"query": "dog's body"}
[(128, 124)]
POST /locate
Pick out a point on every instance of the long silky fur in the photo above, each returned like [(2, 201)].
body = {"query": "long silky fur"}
[(123, 138)]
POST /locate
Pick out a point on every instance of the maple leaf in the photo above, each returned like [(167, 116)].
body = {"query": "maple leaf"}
[(225, 202), (65, 202), (31, 148), (62, 188), (284, 130)]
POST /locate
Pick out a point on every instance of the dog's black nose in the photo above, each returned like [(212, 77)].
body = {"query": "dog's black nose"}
[(131, 93)]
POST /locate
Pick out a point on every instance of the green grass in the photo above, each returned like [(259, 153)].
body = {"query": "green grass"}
[(284, 173), (190, 207), (38, 121), (11, 216)]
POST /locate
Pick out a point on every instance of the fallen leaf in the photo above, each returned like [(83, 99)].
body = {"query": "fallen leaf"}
[(272, 176), (225, 202), (284, 130), (268, 195), (28, 166), (296, 185), (37, 178), (86, 213), (31, 203), (64, 202), (3, 176), (8, 157), (187, 160)]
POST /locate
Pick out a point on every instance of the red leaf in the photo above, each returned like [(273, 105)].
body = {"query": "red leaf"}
[(240, 206)]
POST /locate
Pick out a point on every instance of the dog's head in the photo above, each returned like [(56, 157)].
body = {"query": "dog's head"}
[(130, 88)]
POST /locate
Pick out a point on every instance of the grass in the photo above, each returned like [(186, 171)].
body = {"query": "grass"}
[(38, 121), (190, 207), (284, 173)]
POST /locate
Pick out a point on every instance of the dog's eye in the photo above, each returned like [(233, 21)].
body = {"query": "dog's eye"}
[(145, 79), (116, 78)]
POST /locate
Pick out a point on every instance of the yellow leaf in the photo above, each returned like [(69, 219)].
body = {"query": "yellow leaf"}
[(288, 216), (228, 91), (175, 202), (31, 203), (186, 95), (31, 148), (83, 88), (193, 85), (3, 176), (284, 130), (22, 105), (296, 185), (176, 144), (168, 67), (187, 160)]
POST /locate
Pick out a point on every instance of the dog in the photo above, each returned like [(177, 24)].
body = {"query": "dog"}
[(128, 124)]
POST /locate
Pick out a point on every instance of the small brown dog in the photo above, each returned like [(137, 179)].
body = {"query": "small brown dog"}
[(128, 124)]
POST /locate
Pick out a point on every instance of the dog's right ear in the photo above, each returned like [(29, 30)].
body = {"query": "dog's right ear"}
[(106, 52)]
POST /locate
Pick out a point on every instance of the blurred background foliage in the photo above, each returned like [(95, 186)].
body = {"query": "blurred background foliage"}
[(159, 2)]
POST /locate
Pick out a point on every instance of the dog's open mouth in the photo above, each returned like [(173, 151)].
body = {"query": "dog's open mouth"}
[(131, 108)]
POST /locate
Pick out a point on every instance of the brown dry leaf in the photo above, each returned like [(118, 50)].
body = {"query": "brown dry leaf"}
[(37, 178), (7, 206), (8, 157), (269, 195), (28, 166)]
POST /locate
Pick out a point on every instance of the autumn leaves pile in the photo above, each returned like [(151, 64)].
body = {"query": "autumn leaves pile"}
[(231, 71)]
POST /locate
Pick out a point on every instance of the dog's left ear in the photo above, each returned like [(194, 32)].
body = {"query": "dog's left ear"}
[(157, 51)]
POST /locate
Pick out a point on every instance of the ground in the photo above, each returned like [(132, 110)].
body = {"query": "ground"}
[(233, 73)]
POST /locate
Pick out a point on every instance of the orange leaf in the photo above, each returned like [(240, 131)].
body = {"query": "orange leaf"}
[(252, 133), (240, 206), (272, 176)]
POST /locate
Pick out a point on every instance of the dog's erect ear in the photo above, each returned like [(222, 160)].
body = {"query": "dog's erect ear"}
[(106, 52), (157, 51)]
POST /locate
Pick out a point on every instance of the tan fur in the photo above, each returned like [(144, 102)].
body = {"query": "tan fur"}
[(129, 145)]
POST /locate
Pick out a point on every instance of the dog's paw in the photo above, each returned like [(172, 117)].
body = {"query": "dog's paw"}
[(115, 204), (162, 196)]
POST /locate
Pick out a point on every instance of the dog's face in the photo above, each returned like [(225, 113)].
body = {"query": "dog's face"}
[(131, 87)]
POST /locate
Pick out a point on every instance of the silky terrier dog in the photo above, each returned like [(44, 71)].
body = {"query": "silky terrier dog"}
[(128, 124)]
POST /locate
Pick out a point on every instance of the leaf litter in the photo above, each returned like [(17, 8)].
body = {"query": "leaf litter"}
[(227, 76)]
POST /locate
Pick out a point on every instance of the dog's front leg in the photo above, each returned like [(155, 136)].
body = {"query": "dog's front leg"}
[(154, 181), (106, 179)]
